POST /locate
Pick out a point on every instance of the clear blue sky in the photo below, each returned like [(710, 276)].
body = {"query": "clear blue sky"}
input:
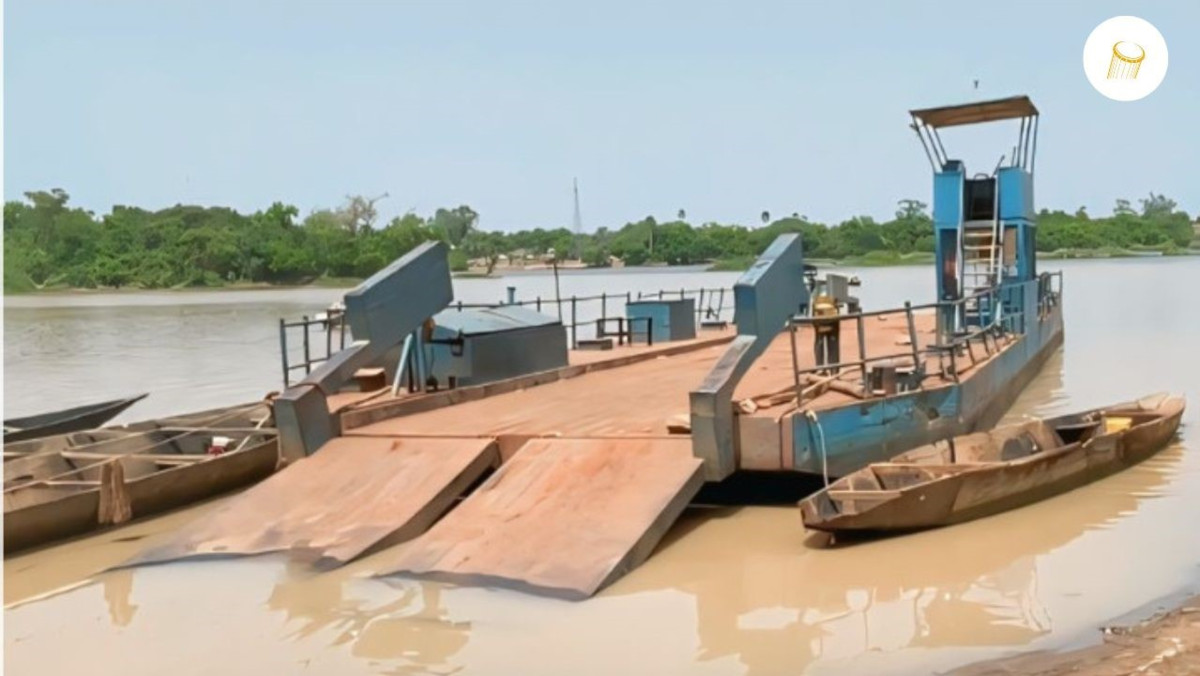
[(723, 109)]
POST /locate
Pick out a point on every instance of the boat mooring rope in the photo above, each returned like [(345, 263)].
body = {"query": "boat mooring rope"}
[(812, 416)]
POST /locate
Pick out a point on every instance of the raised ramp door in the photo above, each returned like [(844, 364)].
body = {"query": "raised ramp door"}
[(356, 494), (563, 516)]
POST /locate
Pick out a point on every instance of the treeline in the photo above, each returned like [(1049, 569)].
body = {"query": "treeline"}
[(48, 243)]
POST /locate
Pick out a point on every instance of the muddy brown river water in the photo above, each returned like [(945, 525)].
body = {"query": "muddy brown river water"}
[(730, 590)]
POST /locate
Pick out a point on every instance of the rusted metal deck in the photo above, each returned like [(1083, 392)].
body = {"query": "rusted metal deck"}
[(358, 493), (563, 516), (595, 464)]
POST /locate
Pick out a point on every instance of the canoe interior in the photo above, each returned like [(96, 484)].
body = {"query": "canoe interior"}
[(42, 477), (54, 495), (976, 474), (242, 416)]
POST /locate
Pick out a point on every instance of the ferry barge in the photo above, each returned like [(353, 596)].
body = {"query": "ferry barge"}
[(492, 451)]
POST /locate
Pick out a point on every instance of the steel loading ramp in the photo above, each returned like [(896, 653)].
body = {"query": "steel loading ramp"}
[(356, 495), (564, 517)]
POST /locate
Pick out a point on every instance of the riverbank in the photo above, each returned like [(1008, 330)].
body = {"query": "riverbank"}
[(876, 259), (891, 259), (1167, 643)]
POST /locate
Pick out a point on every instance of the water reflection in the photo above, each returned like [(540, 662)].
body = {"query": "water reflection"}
[(769, 600), (759, 597), (1045, 395), (409, 624), (118, 587)]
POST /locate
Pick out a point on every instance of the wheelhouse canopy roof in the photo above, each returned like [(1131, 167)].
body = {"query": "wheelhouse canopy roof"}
[(974, 113)]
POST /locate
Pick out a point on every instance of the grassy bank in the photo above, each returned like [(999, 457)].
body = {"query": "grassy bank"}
[(869, 259), (890, 258), (24, 286), (1116, 252), (16, 284)]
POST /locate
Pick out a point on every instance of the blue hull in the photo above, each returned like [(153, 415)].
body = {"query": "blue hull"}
[(873, 431)]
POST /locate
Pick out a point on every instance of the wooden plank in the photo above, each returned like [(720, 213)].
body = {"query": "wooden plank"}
[(352, 496), (65, 482), (846, 494), (165, 458), (563, 516)]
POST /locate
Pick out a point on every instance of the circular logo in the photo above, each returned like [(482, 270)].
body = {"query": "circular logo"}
[(1125, 58)]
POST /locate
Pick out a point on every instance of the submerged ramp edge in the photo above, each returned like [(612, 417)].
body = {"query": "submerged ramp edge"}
[(358, 494), (564, 517)]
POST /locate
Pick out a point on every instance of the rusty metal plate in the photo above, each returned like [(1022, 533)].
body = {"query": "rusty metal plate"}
[(356, 494), (563, 516)]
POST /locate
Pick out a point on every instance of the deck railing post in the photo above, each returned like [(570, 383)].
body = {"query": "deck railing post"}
[(574, 326), (307, 357), (283, 355), (954, 362), (912, 335), (795, 363), (328, 336), (342, 330), (862, 352), (604, 305)]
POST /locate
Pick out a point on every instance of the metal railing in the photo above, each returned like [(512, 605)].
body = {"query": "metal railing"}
[(323, 336), (333, 320), (590, 313), (1004, 304)]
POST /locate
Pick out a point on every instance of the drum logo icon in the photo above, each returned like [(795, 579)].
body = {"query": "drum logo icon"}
[(1126, 60)]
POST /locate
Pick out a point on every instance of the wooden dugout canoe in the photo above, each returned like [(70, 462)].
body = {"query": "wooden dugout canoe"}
[(66, 420), (985, 473), (241, 415), (82, 487)]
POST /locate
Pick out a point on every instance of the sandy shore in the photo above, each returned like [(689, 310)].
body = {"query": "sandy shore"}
[(1167, 644)]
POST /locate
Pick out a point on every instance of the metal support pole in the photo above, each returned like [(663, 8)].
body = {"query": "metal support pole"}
[(574, 327), (307, 358), (795, 362), (557, 290), (604, 306), (283, 355), (862, 352), (419, 346), (328, 336), (912, 335)]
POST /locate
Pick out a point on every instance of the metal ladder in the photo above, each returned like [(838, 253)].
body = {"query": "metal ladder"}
[(982, 256)]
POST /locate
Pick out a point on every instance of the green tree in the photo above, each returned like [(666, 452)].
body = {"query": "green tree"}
[(453, 225)]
